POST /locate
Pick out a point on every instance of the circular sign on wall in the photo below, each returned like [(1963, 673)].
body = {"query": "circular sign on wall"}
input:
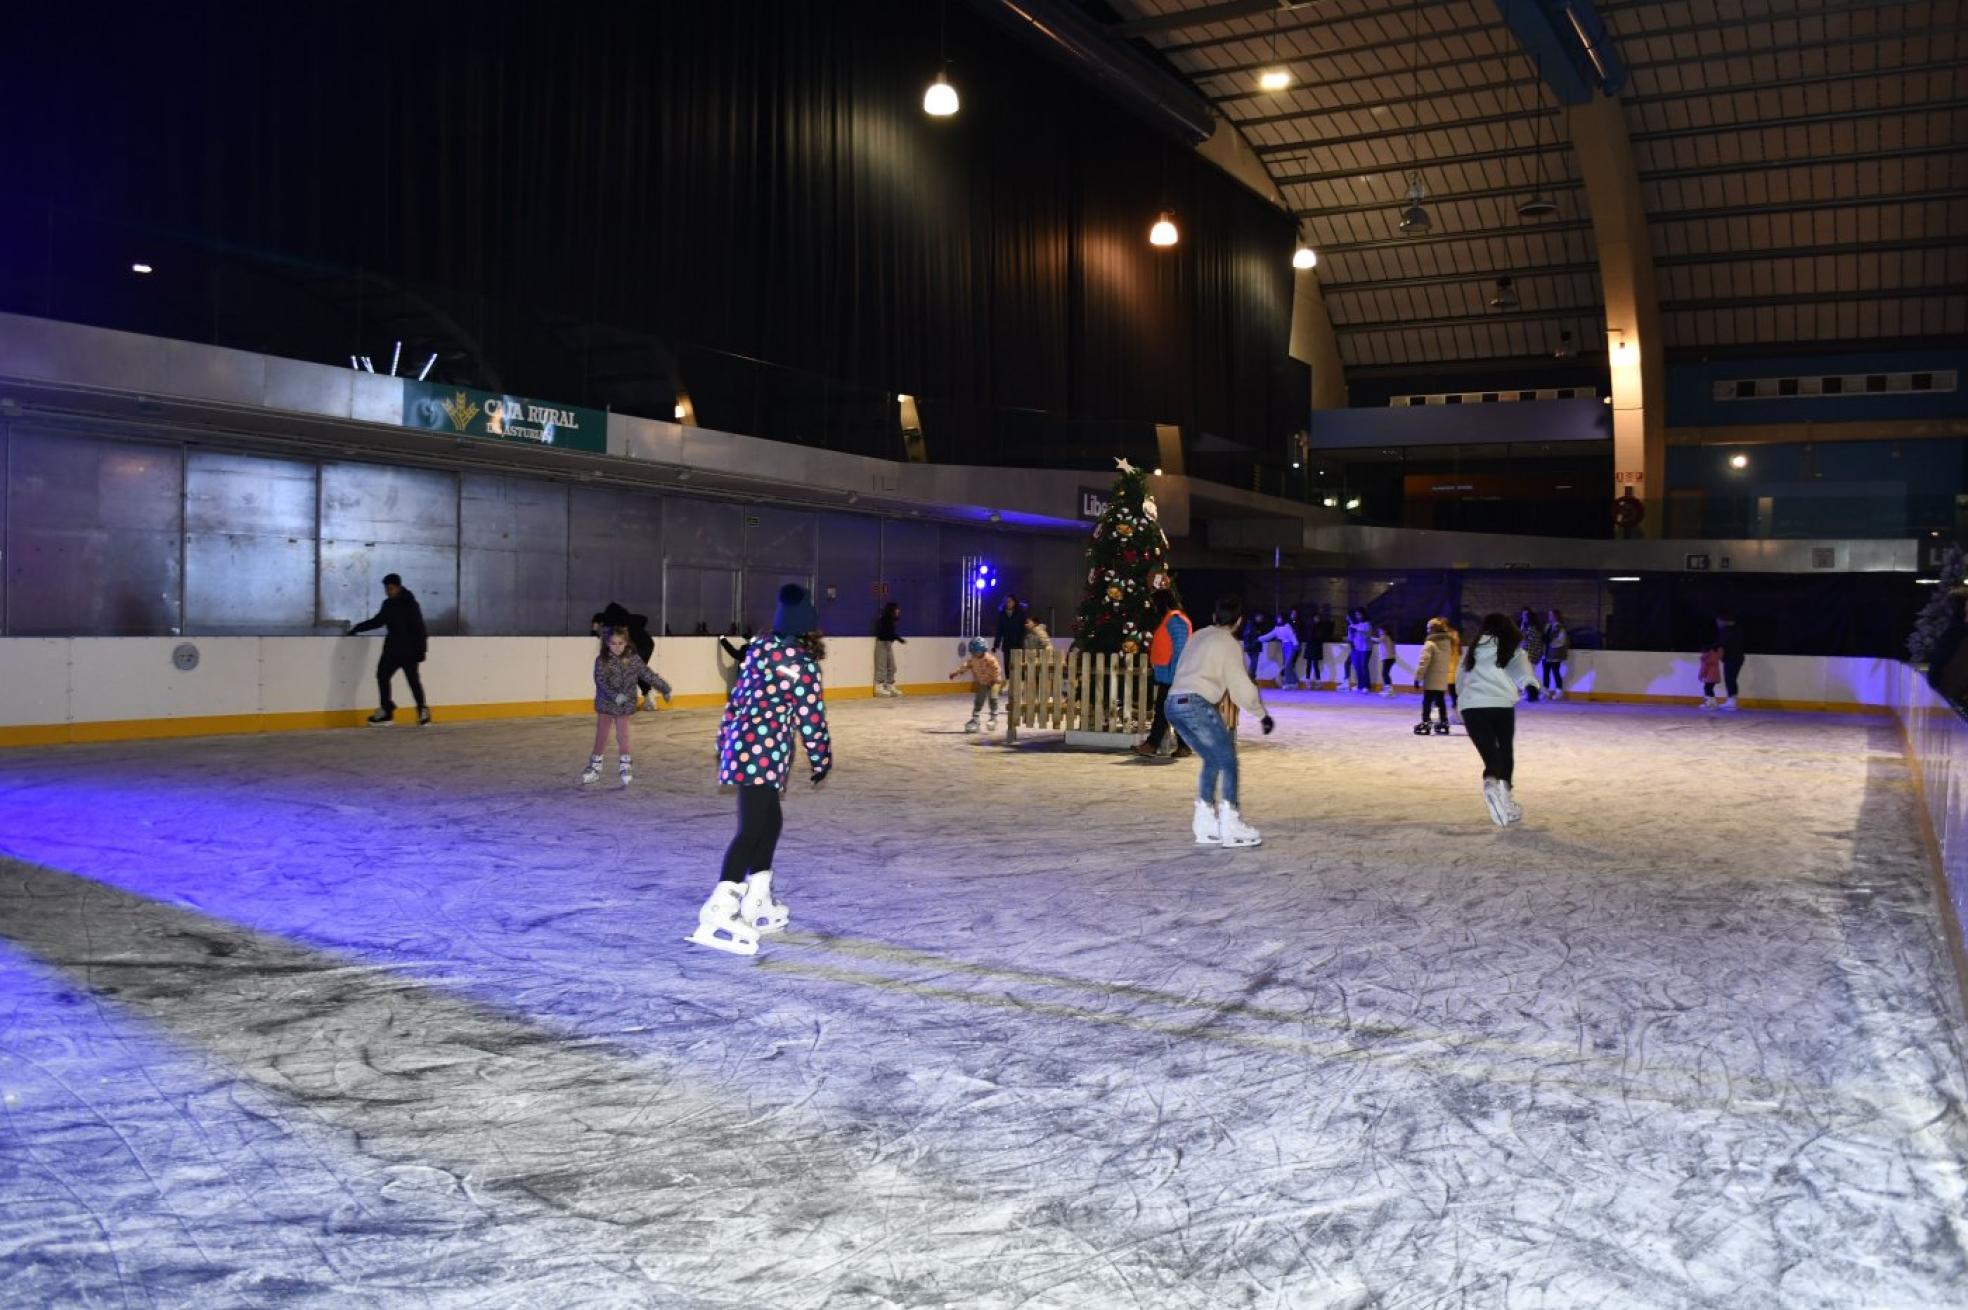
[(185, 657)]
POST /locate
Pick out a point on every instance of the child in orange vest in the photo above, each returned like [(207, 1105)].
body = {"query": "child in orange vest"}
[(985, 675)]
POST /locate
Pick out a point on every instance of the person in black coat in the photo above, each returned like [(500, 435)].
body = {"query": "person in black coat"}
[(1011, 630), (644, 645), (405, 643)]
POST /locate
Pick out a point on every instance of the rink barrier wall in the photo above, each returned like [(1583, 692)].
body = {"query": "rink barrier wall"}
[(1813, 683), (1935, 737), (55, 690), (82, 689)]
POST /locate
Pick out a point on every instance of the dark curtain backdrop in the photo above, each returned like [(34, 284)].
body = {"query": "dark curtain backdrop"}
[(747, 176)]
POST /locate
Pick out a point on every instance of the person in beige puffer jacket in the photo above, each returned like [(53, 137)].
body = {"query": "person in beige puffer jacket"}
[(1434, 671)]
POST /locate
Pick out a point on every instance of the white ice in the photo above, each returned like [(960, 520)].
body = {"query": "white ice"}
[(404, 1017)]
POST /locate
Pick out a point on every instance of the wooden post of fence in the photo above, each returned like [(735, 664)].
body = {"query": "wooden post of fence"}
[(1013, 667)]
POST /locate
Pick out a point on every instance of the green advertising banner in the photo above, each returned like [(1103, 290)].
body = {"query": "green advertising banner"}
[(463, 412)]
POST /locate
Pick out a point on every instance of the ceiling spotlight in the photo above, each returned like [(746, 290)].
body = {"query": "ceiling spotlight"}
[(1158, 473), (1738, 461), (1353, 503), (1330, 502), (1506, 295), (1414, 219), (1273, 79), (1163, 233), (142, 268), (1305, 257), (1538, 206), (940, 100)]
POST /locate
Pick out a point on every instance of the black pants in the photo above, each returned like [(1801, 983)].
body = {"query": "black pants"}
[(1387, 673), (1158, 692), (1495, 735), (1554, 674), (386, 668), (1315, 660), (1439, 700), (759, 822), (1732, 670)]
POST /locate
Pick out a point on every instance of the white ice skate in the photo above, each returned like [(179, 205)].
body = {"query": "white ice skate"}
[(758, 910), (894, 690), (1730, 704), (1236, 832), (1208, 831), (719, 925), (972, 725), (593, 771), (1708, 702), (882, 689), (627, 771), (1498, 804), (1512, 811)]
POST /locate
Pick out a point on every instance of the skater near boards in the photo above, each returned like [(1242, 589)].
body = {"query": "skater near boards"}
[(1434, 675), (1494, 672), (1211, 667), (778, 701)]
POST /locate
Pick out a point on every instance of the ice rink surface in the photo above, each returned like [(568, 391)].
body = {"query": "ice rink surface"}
[(403, 1017)]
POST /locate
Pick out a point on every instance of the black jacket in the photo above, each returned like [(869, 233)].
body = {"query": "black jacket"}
[(403, 620), (1011, 629), (638, 628), (885, 629), (1730, 638)]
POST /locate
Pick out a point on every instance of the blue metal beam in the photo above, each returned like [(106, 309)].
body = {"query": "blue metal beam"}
[(1571, 44)]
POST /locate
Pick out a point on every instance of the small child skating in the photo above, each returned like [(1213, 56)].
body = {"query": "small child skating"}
[(778, 702), (1434, 675), (1711, 673), (985, 675), (1384, 644), (1495, 672), (618, 673)]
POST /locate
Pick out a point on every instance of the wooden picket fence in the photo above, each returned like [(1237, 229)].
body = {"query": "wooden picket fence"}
[(1078, 691)]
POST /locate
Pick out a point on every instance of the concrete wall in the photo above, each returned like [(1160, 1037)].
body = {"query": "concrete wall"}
[(1937, 748)]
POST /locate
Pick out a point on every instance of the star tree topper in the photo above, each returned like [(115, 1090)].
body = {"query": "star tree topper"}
[(1123, 465)]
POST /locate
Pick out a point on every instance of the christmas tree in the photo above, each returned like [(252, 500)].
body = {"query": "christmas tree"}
[(1127, 563), (1940, 610)]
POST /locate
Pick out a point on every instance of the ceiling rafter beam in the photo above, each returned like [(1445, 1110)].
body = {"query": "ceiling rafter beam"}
[(1802, 206), (1414, 166), (1367, 106), (1226, 12), (1896, 246), (1802, 161), (1445, 198), (1314, 25), (1785, 84), (1457, 279), (1454, 238), (1801, 299), (1419, 129), (1802, 120), (1594, 314)]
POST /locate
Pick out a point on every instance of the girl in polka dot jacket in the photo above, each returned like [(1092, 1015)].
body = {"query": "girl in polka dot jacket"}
[(778, 699)]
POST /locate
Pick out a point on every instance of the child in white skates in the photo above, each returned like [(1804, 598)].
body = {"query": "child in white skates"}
[(778, 700), (618, 673), (985, 675)]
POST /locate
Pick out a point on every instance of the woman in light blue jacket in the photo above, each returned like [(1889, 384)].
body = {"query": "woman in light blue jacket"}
[(1495, 671)]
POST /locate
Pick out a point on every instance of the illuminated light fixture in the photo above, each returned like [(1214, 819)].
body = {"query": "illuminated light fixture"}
[(1163, 234), (1353, 503), (1926, 582), (1506, 295), (1295, 464), (142, 268), (1622, 348), (1606, 400), (1330, 502), (1628, 577), (1305, 257), (1274, 79), (1158, 473), (940, 100), (1738, 461), (677, 413), (425, 371), (1414, 219)]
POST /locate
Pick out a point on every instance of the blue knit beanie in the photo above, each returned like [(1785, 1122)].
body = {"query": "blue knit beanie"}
[(795, 616)]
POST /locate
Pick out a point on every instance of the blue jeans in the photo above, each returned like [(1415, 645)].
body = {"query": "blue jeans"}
[(1197, 722)]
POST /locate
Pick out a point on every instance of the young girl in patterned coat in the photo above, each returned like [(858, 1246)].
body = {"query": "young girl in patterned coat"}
[(618, 673), (778, 699)]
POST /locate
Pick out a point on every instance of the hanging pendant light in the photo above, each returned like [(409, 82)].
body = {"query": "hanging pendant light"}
[(1564, 350), (940, 100), (1163, 234), (1305, 257), (1539, 205), (1414, 219), (1276, 77), (1506, 295)]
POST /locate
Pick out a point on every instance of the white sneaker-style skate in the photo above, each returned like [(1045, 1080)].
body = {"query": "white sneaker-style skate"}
[(1236, 833), (971, 726), (894, 690), (1498, 804), (1730, 704), (1208, 831), (719, 925), (1708, 702), (991, 724), (593, 771), (1511, 809), (627, 771), (758, 910)]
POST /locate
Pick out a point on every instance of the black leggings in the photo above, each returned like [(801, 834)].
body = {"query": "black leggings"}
[(1495, 735), (386, 668), (1440, 701), (759, 821), (1731, 671), (1554, 674)]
